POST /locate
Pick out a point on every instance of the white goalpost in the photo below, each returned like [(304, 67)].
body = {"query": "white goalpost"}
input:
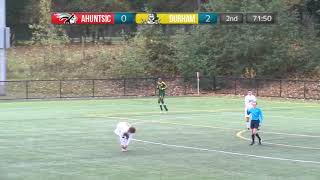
[(198, 83), (4, 44)]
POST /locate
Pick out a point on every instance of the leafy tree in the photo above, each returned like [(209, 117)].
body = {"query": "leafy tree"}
[(43, 32), (149, 53), (270, 50), (16, 16)]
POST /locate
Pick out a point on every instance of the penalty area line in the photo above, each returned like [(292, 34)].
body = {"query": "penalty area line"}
[(227, 152), (239, 135)]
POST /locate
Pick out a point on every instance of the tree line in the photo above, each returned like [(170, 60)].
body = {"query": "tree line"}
[(20, 14), (288, 48)]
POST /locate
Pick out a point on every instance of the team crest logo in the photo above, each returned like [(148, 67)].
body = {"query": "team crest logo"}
[(153, 18), (67, 18)]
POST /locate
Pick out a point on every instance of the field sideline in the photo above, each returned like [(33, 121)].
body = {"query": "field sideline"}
[(199, 138)]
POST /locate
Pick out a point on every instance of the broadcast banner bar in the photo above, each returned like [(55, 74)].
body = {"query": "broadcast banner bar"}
[(79, 18)]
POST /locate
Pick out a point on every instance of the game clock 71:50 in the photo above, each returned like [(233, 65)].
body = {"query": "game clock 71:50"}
[(260, 18), (249, 18)]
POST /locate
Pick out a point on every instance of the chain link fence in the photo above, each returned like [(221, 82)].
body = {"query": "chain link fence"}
[(178, 86)]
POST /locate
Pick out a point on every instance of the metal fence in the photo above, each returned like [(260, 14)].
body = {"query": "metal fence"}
[(84, 88)]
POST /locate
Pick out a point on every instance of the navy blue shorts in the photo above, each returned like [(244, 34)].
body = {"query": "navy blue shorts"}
[(254, 124)]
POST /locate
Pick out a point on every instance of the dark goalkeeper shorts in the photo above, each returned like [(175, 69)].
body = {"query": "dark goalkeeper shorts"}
[(255, 124), (162, 94)]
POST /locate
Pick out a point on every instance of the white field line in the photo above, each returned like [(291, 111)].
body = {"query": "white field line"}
[(213, 127), (220, 151), (239, 135), (227, 152)]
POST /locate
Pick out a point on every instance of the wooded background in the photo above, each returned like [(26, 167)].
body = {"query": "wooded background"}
[(288, 49)]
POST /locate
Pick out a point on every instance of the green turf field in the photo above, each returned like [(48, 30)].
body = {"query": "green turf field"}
[(200, 138)]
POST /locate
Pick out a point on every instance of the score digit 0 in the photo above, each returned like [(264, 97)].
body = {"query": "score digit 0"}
[(124, 18)]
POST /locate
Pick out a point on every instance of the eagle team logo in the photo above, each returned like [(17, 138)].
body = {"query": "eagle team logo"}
[(67, 18)]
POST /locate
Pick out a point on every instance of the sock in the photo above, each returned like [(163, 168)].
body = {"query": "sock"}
[(258, 137), (165, 107), (161, 107), (252, 136)]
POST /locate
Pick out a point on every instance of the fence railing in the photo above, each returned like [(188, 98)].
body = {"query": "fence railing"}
[(178, 86)]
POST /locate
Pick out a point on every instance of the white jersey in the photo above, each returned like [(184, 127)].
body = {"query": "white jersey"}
[(248, 101), (123, 127)]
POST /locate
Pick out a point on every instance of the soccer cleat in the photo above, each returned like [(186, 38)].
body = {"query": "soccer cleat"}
[(252, 144), (124, 150), (258, 138)]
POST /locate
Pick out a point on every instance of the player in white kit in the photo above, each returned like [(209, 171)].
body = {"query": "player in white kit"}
[(125, 132), (248, 105)]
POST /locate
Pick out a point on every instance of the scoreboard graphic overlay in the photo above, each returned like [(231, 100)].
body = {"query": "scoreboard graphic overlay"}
[(78, 18)]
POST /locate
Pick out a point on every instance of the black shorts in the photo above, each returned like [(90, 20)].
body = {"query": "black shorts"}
[(254, 124)]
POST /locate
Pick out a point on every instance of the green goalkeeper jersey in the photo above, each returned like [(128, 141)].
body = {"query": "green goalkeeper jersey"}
[(161, 86)]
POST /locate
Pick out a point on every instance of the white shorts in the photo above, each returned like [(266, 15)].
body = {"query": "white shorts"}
[(124, 141), (245, 112)]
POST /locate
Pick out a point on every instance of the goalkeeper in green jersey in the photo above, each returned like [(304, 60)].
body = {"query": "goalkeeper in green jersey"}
[(161, 86)]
